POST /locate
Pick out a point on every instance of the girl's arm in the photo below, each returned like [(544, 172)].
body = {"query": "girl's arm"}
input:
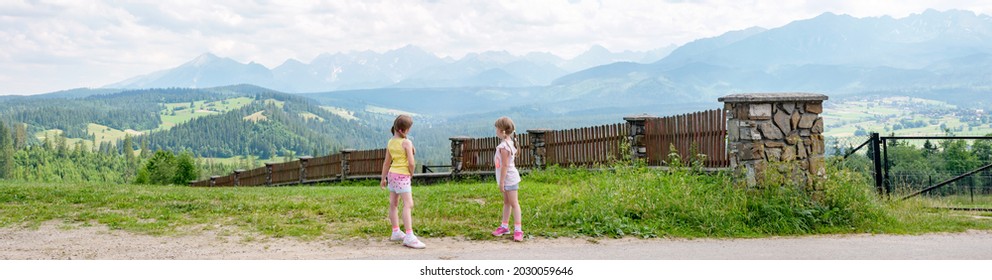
[(504, 159), (408, 147), (385, 169)]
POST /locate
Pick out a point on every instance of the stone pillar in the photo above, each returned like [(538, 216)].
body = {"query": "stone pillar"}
[(268, 174), (345, 167), (237, 175), (776, 127), (638, 151), (303, 168), (213, 181), (537, 147), (457, 145)]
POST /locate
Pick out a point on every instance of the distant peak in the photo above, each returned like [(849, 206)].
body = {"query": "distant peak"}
[(495, 53), (598, 48), (204, 59), (827, 14), (831, 15), (952, 12), (292, 61), (409, 47), (207, 56)]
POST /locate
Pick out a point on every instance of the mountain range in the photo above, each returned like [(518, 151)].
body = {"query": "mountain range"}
[(831, 54), (407, 67)]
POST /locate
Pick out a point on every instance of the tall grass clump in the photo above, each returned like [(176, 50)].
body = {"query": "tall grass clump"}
[(786, 204), (631, 199)]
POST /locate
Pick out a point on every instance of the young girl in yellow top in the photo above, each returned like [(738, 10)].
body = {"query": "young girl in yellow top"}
[(397, 169)]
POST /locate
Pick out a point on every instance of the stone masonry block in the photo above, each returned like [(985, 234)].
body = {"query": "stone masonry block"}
[(760, 111)]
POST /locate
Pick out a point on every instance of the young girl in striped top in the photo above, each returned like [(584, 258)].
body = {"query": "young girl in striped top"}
[(508, 178)]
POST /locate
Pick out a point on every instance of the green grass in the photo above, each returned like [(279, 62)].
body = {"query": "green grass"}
[(310, 116), (199, 109), (387, 111), (557, 202), (962, 200), (858, 113), (341, 112), (107, 134)]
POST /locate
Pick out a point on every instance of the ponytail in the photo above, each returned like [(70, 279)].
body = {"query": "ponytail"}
[(506, 125), (401, 124), (516, 146)]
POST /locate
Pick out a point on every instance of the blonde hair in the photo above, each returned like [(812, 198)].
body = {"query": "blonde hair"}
[(402, 125), (505, 124)]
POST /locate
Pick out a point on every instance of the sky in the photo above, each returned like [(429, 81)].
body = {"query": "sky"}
[(47, 46)]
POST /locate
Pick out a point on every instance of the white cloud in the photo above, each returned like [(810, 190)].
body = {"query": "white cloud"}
[(54, 45)]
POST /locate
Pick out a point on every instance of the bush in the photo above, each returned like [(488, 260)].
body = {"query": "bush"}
[(165, 168)]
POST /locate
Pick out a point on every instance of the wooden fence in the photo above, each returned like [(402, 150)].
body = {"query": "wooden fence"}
[(323, 167), (254, 177), (701, 132), (478, 154), (366, 163), (586, 146), (286, 172), (225, 181)]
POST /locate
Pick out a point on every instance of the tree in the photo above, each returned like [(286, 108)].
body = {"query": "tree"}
[(983, 150), (186, 169), (21, 136), (144, 148), (929, 148), (61, 144), (128, 148), (6, 152), (161, 168), (957, 157), (48, 142)]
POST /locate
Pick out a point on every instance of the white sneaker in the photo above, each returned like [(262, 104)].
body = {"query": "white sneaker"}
[(397, 236), (412, 242)]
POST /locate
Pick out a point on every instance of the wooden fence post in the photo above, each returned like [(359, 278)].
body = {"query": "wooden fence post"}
[(537, 148), (303, 168), (635, 136), (457, 155), (345, 167), (237, 173), (268, 174)]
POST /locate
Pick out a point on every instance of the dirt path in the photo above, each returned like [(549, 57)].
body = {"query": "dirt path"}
[(51, 242)]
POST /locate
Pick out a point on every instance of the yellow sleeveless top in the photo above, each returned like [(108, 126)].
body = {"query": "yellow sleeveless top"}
[(400, 164)]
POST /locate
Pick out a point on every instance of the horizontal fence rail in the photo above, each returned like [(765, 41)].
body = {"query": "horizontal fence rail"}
[(691, 134)]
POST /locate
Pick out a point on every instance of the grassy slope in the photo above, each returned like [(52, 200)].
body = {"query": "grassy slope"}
[(208, 108), (859, 113), (112, 135), (628, 202)]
